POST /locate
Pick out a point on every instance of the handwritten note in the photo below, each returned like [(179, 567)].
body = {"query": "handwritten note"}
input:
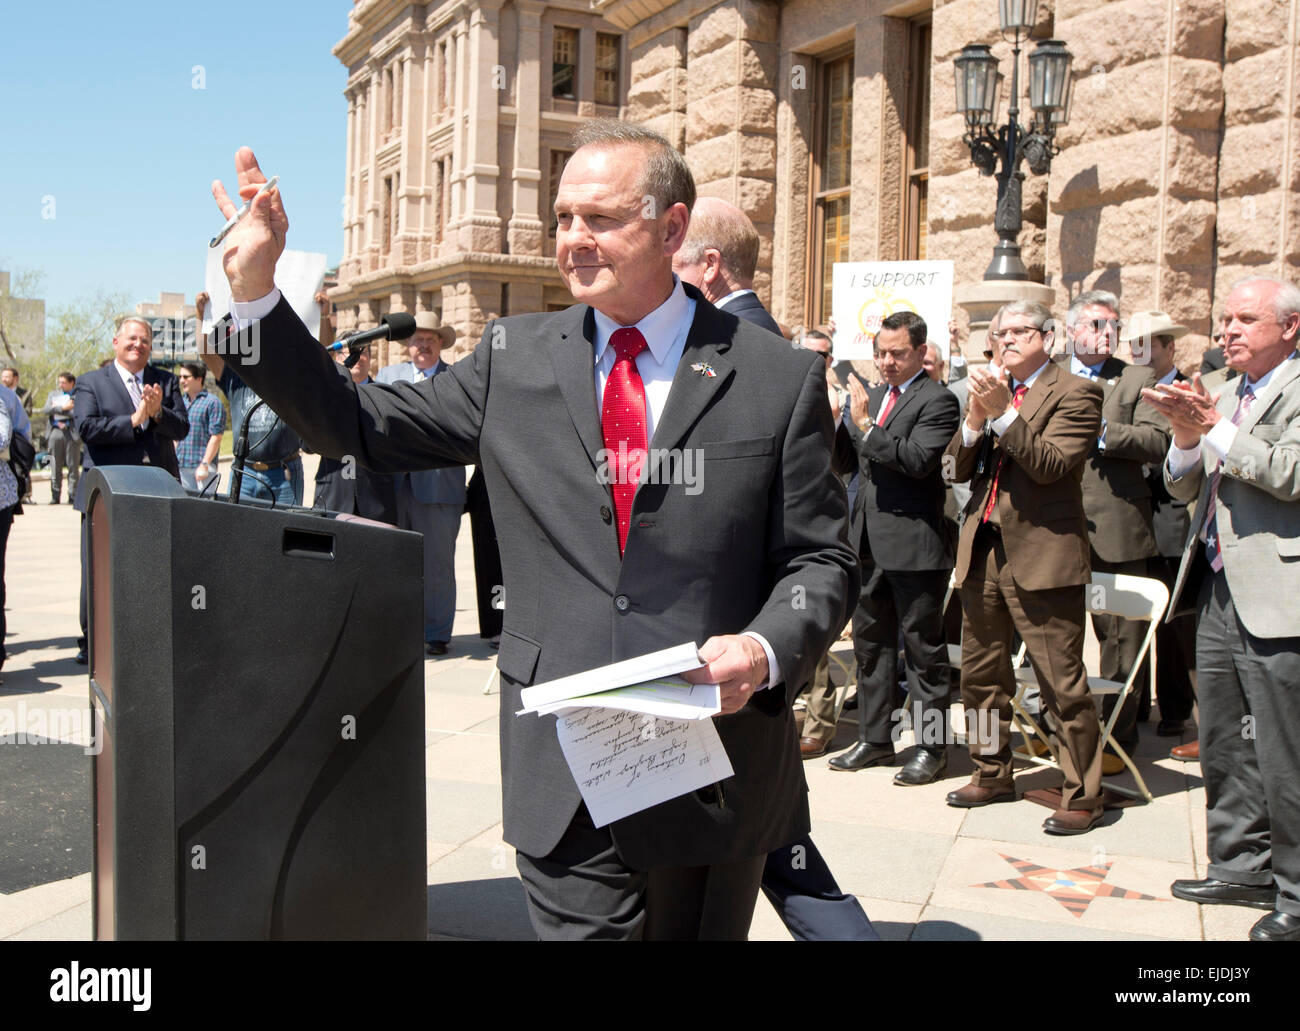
[(625, 762)]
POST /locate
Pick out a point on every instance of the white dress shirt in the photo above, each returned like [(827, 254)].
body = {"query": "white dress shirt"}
[(127, 376), (1003, 421), (1219, 439)]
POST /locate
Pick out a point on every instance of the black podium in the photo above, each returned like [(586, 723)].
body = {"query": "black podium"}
[(257, 677)]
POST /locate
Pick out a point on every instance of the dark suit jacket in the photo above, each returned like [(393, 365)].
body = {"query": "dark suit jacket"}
[(1040, 501), (1116, 495), (750, 308), (757, 543), (898, 511), (348, 487), (102, 409)]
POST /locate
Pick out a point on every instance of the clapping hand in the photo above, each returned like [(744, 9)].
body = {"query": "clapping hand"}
[(1190, 408), (859, 404), (988, 397)]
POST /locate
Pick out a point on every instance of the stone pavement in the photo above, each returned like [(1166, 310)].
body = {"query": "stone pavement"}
[(922, 870)]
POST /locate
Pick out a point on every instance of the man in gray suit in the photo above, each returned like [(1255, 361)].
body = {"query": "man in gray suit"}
[(1236, 450), (751, 558), (720, 255), (431, 501)]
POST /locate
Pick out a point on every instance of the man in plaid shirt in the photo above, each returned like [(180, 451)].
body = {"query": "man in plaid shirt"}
[(197, 453)]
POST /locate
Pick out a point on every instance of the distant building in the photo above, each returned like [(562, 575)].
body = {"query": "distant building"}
[(22, 324), (459, 116)]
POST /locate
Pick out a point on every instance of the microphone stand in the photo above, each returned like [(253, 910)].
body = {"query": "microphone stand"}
[(241, 453)]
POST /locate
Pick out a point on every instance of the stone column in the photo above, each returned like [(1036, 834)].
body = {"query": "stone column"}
[(480, 226), (525, 231), (731, 131), (586, 84), (349, 179), (1259, 162), (374, 244), (457, 59)]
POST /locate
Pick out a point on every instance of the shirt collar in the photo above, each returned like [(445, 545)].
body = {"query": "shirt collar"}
[(1257, 385), (1032, 376), (660, 328), (902, 387), (722, 302), (1080, 369), (1168, 377), (126, 373)]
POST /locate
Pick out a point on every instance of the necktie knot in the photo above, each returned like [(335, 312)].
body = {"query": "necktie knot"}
[(627, 343), (1019, 395)]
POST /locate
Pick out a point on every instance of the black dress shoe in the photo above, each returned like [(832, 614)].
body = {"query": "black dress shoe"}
[(1213, 892), (80, 658), (1170, 728), (1276, 927), (924, 767), (436, 648), (862, 755)]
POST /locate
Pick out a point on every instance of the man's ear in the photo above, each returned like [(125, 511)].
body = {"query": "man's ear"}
[(712, 265), (675, 222), (1291, 328)]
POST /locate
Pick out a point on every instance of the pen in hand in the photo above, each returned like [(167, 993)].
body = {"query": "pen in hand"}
[(248, 206)]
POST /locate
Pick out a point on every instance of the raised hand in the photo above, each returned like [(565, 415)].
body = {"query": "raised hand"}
[(254, 246), (1191, 409)]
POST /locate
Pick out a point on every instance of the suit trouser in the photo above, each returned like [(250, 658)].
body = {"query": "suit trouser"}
[(1175, 652), (807, 898), (820, 721), (65, 450), (439, 524), (1249, 694), (584, 891), (1121, 640), (911, 599), (1051, 624)]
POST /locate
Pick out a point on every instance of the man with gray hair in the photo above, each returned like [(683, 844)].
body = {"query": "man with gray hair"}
[(1116, 495), (719, 256), (1022, 560), (1236, 450), (602, 564)]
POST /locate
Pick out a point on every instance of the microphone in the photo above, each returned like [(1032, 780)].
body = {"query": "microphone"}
[(396, 325)]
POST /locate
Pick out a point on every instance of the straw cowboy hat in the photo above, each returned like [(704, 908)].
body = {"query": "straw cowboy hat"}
[(429, 320), (1147, 325)]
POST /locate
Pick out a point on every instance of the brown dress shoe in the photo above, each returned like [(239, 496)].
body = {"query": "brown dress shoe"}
[(1188, 753), (973, 795), (1072, 821), (812, 747)]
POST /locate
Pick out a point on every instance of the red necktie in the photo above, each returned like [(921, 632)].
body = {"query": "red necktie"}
[(894, 394), (623, 423), (993, 493)]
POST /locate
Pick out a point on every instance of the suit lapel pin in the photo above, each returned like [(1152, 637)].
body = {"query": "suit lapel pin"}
[(704, 369)]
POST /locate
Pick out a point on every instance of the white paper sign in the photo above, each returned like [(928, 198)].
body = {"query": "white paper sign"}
[(865, 292), (298, 274), (625, 762)]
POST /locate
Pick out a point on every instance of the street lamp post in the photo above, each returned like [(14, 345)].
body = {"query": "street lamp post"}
[(1002, 149)]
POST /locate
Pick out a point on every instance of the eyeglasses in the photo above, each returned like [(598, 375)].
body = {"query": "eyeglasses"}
[(1100, 326), (184, 375), (1014, 333)]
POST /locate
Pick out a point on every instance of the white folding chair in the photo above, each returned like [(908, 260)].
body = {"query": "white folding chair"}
[(1112, 594)]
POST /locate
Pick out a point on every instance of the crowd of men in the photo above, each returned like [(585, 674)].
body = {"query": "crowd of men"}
[(927, 515)]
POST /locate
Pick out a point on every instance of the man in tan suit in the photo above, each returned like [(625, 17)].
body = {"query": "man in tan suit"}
[(1116, 495), (1236, 450), (1022, 559)]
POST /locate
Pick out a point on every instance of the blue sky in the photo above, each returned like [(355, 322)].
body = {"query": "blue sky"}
[(100, 114)]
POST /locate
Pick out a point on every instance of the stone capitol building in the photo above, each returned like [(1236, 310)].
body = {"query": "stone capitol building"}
[(834, 126)]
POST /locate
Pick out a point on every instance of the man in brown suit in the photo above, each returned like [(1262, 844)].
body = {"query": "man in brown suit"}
[(1116, 495), (1022, 560)]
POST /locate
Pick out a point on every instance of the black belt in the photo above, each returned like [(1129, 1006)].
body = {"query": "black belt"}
[(262, 467)]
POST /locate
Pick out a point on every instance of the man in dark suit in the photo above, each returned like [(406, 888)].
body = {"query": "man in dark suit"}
[(719, 256), (752, 557), (1022, 560), (894, 436), (431, 501), (1236, 451), (1154, 334), (1116, 497), (797, 881), (127, 413), (344, 486)]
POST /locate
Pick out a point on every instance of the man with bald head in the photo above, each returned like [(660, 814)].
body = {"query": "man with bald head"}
[(1236, 452), (719, 256)]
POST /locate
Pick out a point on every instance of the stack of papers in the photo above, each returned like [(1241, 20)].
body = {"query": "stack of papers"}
[(635, 733)]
